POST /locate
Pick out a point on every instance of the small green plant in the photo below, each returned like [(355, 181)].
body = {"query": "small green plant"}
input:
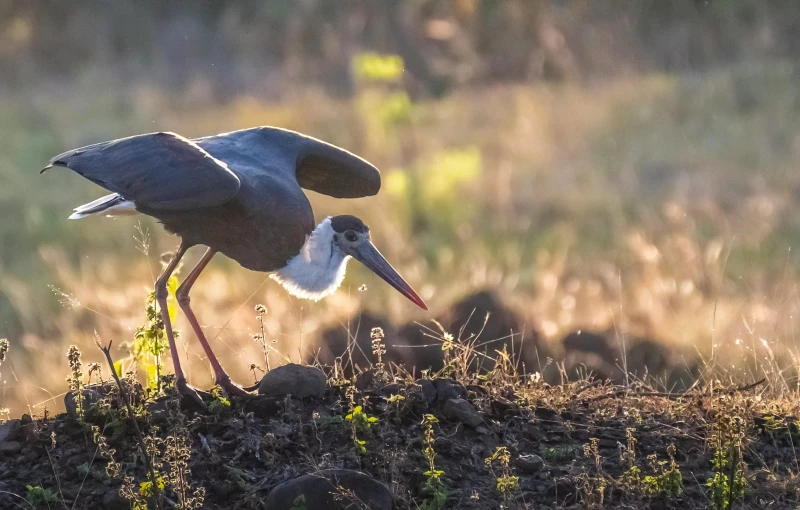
[(593, 488), (728, 483), (220, 404), (667, 479), (559, 453), (506, 483), (360, 423), (433, 485), (39, 497), (150, 340)]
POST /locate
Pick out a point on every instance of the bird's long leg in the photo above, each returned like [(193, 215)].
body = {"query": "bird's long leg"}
[(182, 294), (161, 297)]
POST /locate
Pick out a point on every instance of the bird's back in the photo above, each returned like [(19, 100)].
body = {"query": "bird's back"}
[(262, 227)]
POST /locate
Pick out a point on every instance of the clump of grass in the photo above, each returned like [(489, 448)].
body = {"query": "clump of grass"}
[(433, 485), (337, 378)]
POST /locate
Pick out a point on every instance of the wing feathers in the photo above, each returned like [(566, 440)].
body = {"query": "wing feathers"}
[(158, 170)]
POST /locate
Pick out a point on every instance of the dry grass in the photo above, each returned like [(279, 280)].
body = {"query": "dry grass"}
[(657, 205)]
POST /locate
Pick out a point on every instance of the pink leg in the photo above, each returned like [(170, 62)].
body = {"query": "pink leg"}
[(161, 297), (182, 294)]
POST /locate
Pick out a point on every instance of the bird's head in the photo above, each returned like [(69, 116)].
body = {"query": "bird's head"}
[(319, 268), (351, 236)]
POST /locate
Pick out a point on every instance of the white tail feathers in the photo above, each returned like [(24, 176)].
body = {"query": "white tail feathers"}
[(110, 205)]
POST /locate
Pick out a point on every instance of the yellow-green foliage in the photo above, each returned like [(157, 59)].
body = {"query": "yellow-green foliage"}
[(433, 484), (506, 483), (150, 340)]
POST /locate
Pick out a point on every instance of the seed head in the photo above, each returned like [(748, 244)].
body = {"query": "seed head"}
[(3, 349)]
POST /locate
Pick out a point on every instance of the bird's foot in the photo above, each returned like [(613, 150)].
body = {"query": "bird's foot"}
[(191, 393), (233, 389), (252, 388)]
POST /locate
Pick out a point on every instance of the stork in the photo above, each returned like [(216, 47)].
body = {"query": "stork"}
[(239, 194)]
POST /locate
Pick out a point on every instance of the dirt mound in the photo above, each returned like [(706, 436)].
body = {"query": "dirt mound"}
[(482, 443)]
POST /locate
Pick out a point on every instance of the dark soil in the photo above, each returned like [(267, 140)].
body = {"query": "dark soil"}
[(244, 451)]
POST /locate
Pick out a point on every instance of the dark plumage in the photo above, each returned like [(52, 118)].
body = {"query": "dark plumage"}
[(240, 194)]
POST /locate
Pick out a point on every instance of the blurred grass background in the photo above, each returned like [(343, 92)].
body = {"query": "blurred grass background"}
[(620, 164)]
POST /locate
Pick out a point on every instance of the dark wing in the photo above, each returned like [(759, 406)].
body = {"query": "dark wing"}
[(158, 170), (316, 165)]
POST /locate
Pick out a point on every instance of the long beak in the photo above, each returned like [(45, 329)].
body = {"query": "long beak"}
[(369, 255)]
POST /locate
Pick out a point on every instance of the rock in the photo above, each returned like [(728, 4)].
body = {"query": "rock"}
[(562, 488), (428, 390), (447, 389), (460, 409), (28, 432), (9, 431), (10, 447), (391, 389), (26, 419), (529, 463), (113, 500), (328, 490), (299, 381)]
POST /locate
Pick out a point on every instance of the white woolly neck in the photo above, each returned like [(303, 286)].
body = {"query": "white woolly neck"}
[(319, 268)]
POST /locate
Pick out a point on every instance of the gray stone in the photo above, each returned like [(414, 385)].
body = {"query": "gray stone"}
[(428, 390), (460, 409), (9, 431), (10, 447), (296, 380), (447, 389), (529, 463), (28, 432), (335, 489)]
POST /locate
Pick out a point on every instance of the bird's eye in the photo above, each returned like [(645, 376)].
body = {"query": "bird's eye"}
[(350, 236)]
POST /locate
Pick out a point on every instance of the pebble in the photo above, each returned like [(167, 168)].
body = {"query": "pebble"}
[(319, 491), (299, 381), (11, 447), (460, 409), (529, 463), (9, 431)]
